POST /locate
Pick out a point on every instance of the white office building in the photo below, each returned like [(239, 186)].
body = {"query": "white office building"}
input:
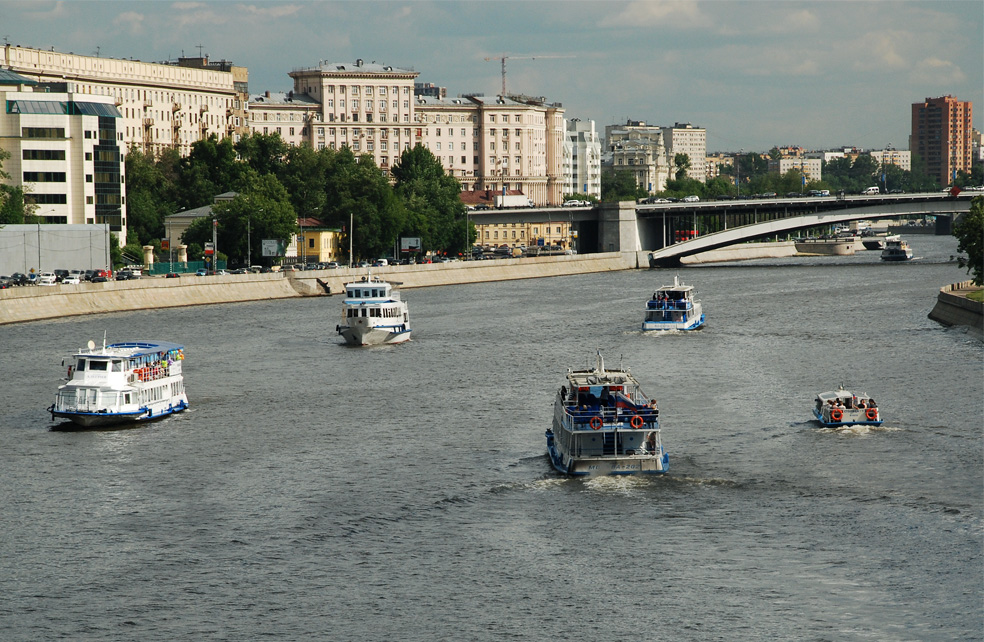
[(582, 158), (66, 152)]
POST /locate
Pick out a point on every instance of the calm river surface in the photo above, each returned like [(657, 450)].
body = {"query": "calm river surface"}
[(316, 491)]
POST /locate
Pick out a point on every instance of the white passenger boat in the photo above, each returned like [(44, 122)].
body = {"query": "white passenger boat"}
[(845, 408), (896, 250), (673, 307), (373, 313), (122, 383), (605, 425), (877, 242)]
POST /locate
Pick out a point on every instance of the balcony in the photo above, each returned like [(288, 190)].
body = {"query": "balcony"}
[(148, 122), (204, 108), (176, 107)]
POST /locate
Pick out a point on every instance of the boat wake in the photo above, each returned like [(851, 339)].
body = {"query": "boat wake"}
[(860, 429)]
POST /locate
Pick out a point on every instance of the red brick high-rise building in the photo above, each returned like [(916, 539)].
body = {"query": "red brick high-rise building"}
[(941, 129)]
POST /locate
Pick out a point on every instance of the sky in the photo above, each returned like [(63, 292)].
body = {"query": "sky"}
[(755, 74)]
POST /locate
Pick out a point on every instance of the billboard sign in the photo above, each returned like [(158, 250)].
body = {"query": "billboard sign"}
[(410, 244), (165, 244), (209, 249), (273, 247)]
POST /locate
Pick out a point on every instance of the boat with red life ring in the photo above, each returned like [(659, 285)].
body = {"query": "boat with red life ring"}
[(842, 407), (604, 424), (122, 383)]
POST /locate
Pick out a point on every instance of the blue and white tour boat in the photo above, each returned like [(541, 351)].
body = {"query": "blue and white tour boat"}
[(122, 383), (845, 408), (604, 424), (373, 313), (673, 307)]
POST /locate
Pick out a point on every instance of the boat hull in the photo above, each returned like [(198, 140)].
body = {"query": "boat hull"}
[(682, 326), (907, 256), (854, 417), (603, 465), (363, 334), (88, 419)]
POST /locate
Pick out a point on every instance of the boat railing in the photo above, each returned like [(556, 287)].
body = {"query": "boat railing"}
[(582, 417), (681, 304), (149, 373)]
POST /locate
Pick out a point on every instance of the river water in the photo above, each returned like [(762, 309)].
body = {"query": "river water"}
[(317, 491)]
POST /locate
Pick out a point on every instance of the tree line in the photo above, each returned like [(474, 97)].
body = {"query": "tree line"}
[(751, 172), (276, 183)]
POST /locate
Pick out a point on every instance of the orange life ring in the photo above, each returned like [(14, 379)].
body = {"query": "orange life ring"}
[(636, 421), (836, 414), (595, 422), (871, 413)]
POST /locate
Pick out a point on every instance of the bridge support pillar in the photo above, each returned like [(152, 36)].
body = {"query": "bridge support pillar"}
[(618, 228)]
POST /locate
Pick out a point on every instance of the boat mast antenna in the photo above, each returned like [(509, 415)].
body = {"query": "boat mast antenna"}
[(104, 340)]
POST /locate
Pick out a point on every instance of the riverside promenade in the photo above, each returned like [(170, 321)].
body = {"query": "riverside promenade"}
[(33, 303), (953, 307)]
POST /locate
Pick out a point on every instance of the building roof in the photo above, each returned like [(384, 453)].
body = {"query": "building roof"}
[(8, 77), (280, 98), (359, 66), (191, 215)]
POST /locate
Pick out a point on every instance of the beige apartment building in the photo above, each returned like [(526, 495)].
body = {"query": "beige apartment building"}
[(511, 143), (639, 148), (684, 138), (901, 158), (162, 104)]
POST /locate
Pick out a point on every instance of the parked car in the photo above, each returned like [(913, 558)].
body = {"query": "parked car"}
[(19, 278), (60, 275), (241, 270), (693, 198), (71, 279), (99, 279), (201, 272), (106, 273), (332, 265), (172, 275)]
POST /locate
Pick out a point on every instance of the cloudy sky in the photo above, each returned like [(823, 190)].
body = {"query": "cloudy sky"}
[(755, 74)]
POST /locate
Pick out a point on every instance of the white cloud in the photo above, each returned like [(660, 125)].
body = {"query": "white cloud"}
[(933, 71), (130, 21), (658, 13), (273, 11)]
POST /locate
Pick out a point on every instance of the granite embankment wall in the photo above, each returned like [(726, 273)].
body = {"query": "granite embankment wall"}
[(954, 308), (36, 302)]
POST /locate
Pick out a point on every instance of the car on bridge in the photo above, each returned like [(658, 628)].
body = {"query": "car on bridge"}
[(693, 198)]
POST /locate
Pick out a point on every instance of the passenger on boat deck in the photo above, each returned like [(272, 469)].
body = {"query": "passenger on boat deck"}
[(871, 403), (860, 403), (838, 404), (651, 442)]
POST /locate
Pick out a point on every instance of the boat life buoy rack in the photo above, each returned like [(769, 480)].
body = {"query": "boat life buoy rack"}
[(595, 423), (871, 413), (636, 421)]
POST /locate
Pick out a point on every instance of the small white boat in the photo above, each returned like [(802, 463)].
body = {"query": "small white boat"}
[(605, 425), (845, 408), (673, 307), (373, 313), (896, 250), (122, 383)]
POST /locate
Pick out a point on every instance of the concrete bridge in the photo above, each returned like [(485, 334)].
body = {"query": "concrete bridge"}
[(667, 230)]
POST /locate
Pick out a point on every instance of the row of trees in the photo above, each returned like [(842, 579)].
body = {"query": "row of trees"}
[(752, 173), (276, 183)]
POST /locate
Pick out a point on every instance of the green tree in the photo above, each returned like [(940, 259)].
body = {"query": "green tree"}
[(970, 234), (432, 200), (261, 211), (150, 190), (681, 164), (620, 185), (210, 169), (265, 153), (356, 188)]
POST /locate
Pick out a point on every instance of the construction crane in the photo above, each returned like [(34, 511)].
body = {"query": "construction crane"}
[(504, 58)]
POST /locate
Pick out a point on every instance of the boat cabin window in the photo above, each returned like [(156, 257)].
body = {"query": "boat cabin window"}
[(80, 367), (98, 365), (117, 366)]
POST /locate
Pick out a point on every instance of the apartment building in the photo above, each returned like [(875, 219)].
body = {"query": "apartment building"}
[(162, 104), (684, 138), (941, 136), (582, 158), (811, 168), (901, 158), (66, 151), (639, 148)]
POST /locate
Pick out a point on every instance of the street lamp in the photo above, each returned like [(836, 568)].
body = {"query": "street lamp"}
[(738, 175)]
